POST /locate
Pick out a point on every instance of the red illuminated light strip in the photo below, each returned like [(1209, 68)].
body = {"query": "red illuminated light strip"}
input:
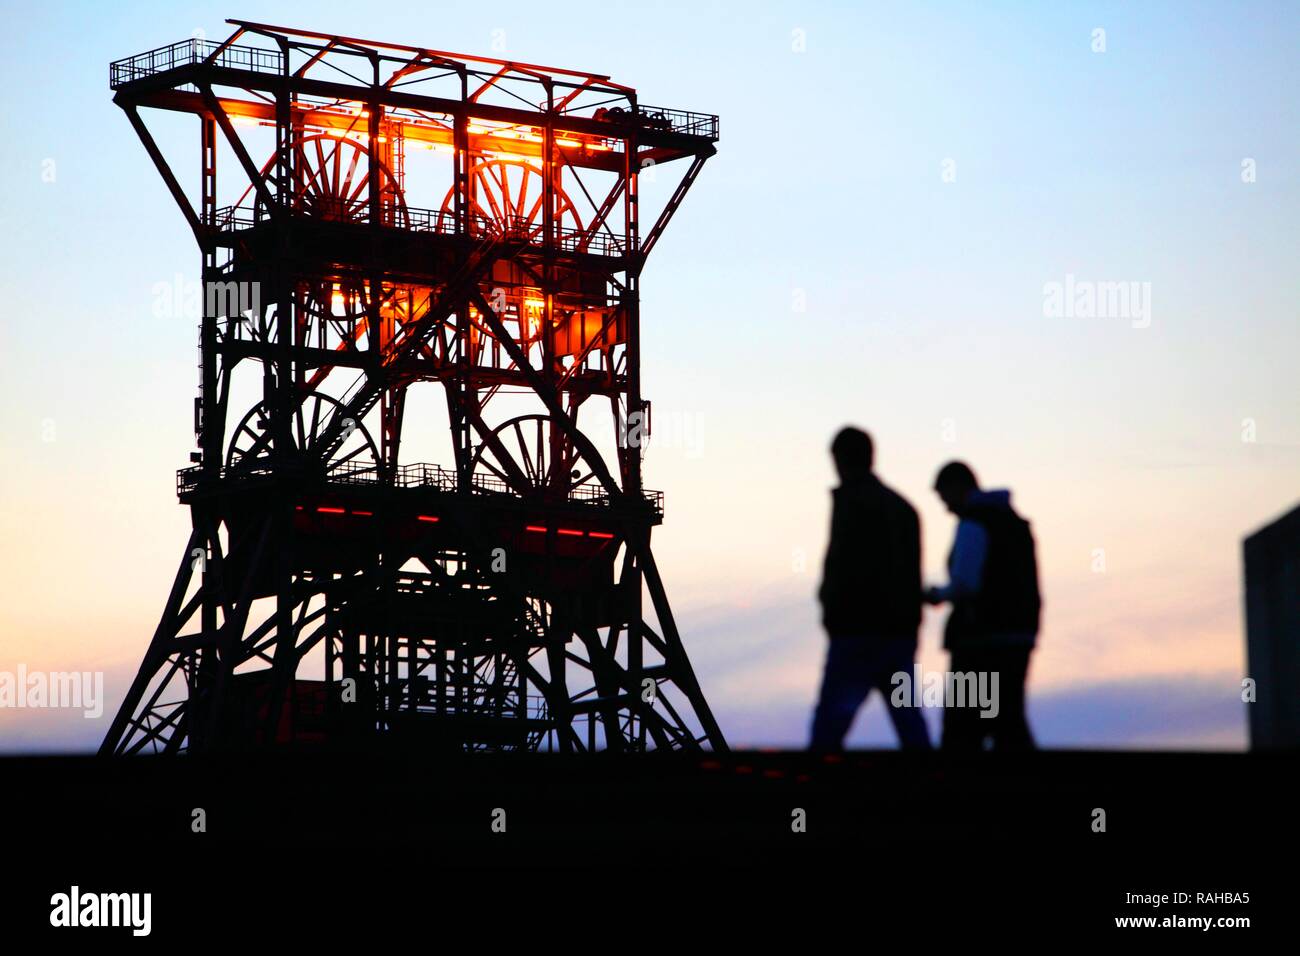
[(570, 532), (434, 519)]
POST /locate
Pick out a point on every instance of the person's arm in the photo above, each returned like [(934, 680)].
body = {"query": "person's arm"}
[(831, 565), (968, 553), (913, 583)]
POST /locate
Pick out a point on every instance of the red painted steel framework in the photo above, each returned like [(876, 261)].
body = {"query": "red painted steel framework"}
[(415, 216)]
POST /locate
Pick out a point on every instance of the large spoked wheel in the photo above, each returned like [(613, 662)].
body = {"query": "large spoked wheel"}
[(505, 200), (343, 305), (317, 423), (533, 458), (332, 181)]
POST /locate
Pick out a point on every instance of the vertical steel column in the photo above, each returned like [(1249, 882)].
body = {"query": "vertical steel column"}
[(458, 387), (284, 656), (208, 149)]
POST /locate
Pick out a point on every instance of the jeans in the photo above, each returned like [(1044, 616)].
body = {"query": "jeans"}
[(963, 727), (855, 665)]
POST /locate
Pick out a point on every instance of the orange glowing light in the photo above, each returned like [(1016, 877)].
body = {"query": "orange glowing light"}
[(332, 511), (508, 157), (430, 518), (532, 319)]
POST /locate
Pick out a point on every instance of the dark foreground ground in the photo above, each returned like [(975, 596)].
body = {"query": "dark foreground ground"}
[(373, 843)]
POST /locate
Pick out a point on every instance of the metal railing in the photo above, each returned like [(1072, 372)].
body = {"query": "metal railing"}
[(415, 475), (659, 118), (189, 52), (354, 473), (679, 121), (425, 475), (414, 219), (228, 218)]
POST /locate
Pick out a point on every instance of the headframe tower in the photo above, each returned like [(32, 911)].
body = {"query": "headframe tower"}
[(391, 217)]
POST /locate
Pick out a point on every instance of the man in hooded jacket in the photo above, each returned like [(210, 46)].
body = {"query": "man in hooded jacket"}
[(996, 606)]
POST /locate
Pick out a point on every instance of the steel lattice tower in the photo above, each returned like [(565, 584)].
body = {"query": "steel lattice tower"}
[(423, 217)]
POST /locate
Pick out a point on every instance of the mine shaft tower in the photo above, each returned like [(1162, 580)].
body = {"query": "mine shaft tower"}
[(401, 216)]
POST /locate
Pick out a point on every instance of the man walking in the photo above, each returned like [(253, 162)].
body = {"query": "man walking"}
[(870, 596), (993, 625)]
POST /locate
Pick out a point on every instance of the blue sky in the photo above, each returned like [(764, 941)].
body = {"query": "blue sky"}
[(922, 320)]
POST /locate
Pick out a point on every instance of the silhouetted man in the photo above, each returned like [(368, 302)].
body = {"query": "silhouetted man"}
[(870, 596), (993, 625)]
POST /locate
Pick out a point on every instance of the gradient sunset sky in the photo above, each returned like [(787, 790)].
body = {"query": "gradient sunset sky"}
[(823, 271)]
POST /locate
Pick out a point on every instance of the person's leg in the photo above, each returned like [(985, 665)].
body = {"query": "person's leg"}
[(845, 685), (962, 730), (896, 656), (1011, 727), (994, 660)]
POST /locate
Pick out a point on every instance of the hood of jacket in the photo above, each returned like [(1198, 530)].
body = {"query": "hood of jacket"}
[(995, 498)]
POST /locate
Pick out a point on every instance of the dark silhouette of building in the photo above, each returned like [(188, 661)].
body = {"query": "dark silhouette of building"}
[(423, 218), (1272, 572)]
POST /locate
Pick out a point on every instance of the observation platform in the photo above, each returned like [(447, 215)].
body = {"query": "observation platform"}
[(586, 132), (171, 61), (234, 222), (343, 521), (430, 479)]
